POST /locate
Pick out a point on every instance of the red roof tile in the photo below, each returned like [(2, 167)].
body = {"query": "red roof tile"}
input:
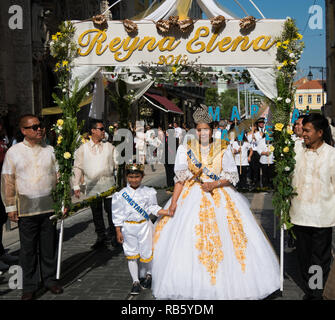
[(313, 84)]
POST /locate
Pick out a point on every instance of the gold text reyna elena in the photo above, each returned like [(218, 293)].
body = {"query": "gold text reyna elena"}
[(202, 41)]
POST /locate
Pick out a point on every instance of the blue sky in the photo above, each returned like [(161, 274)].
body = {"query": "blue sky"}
[(315, 40)]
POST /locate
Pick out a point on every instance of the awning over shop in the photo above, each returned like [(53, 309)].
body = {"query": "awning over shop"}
[(57, 110), (168, 105)]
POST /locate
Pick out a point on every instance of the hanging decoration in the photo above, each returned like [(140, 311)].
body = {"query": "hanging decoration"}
[(248, 24), (100, 21), (130, 26), (185, 25), (218, 23)]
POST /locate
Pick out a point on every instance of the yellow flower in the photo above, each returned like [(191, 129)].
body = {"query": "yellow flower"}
[(60, 122), (58, 34), (83, 140), (279, 44), (289, 131), (286, 42), (279, 126), (65, 63), (279, 67), (57, 65), (174, 69), (111, 127), (272, 148), (284, 47), (300, 36), (67, 155), (286, 149), (285, 63), (54, 37), (59, 140)]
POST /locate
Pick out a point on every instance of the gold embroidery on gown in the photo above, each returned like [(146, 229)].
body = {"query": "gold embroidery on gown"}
[(236, 230)]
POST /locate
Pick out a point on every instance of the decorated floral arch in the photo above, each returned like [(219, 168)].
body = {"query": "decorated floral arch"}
[(269, 49)]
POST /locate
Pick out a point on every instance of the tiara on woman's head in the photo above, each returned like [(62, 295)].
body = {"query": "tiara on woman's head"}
[(201, 115)]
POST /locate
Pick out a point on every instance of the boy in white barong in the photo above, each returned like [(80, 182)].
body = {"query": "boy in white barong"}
[(130, 212)]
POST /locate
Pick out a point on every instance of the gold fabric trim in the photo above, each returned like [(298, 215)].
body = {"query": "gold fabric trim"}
[(209, 243), (237, 234), (146, 260), (136, 222), (133, 257)]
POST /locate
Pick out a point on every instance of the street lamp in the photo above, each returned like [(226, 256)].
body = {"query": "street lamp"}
[(310, 77)]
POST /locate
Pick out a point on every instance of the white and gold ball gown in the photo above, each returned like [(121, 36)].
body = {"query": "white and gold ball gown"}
[(212, 248)]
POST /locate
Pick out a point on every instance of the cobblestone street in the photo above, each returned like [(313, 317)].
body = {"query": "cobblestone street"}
[(103, 274)]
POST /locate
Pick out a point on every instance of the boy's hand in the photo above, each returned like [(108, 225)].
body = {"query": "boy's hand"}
[(119, 236)]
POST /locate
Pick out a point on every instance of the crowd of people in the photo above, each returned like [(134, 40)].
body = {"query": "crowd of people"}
[(226, 240)]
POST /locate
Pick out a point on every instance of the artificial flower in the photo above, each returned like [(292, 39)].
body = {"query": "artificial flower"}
[(59, 140), (289, 131), (272, 148), (60, 122), (67, 155), (279, 126), (286, 149), (288, 100), (287, 169)]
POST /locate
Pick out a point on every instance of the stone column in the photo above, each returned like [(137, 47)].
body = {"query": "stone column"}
[(330, 53), (16, 61)]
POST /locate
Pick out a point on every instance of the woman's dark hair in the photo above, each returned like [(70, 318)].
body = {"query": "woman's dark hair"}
[(319, 122)]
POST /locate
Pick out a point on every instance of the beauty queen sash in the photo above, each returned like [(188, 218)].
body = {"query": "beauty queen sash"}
[(198, 164), (134, 205)]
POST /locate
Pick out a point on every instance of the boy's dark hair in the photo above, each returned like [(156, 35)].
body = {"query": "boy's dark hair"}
[(134, 172)]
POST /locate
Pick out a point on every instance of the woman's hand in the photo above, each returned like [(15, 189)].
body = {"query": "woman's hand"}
[(208, 186), (172, 209)]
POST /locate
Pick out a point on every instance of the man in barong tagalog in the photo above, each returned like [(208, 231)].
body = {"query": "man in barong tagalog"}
[(211, 246), (28, 178), (95, 161)]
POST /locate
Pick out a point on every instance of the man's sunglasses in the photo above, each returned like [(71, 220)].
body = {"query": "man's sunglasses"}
[(101, 129), (35, 126)]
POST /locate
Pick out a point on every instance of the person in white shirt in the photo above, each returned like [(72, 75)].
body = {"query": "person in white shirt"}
[(242, 152), (94, 160), (313, 208), (253, 137), (130, 211), (178, 132), (29, 175), (265, 150), (298, 129)]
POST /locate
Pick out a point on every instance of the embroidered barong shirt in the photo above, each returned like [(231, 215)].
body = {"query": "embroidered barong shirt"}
[(143, 198), (28, 177), (314, 181), (96, 162)]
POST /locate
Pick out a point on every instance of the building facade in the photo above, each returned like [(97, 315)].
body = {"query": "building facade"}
[(310, 94)]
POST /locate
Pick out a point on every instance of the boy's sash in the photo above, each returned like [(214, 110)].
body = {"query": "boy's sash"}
[(134, 205), (198, 164)]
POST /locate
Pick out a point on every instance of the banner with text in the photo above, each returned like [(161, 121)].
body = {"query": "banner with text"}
[(114, 47)]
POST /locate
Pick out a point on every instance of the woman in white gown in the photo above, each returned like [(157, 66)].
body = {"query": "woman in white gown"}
[(211, 247)]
